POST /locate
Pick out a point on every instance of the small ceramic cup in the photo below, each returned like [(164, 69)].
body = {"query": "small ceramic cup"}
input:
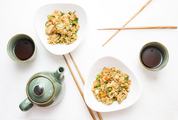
[(11, 47), (164, 53)]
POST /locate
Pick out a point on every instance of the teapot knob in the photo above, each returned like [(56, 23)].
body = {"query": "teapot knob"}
[(38, 90)]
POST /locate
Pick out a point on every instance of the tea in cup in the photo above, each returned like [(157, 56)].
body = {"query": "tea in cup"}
[(21, 48), (154, 56)]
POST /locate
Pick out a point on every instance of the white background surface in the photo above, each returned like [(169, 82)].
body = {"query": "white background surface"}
[(160, 91)]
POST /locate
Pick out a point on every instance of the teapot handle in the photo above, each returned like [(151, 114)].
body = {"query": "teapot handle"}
[(26, 105)]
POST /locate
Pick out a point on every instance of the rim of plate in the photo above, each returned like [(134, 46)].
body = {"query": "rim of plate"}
[(88, 82), (74, 45)]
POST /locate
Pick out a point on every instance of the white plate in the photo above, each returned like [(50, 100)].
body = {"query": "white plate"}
[(41, 18), (133, 95)]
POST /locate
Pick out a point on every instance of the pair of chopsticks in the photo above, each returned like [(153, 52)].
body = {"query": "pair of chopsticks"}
[(127, 22), (78, 86), (141, 28), (83, 81)]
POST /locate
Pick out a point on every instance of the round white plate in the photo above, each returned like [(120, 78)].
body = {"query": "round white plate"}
[(133, 95), (41, 18)]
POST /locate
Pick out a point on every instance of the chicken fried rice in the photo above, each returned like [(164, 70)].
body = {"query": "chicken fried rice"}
[(111, 85), (61, 27)]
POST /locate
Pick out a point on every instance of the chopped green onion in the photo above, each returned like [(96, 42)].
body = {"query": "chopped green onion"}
[(98, 85), (109, 89), (50, 16), (98, 77), (105, 82), (126, 78)]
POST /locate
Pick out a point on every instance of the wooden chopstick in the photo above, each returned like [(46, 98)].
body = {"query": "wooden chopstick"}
[(141, 28), (77, 68), (78, 87), (83, 81), (134, 16)]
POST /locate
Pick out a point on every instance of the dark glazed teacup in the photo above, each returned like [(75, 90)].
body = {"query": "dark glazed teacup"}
[(154, 56), (21, 48)]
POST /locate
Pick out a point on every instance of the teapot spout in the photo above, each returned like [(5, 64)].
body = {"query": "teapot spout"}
[(59, 74)]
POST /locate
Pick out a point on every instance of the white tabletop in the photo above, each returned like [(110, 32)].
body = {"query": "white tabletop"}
[(159, 100)]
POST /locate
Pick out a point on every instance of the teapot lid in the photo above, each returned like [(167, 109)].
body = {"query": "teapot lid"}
[(40, 89)]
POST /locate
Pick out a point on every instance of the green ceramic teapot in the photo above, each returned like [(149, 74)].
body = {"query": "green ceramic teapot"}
[(42, 89)]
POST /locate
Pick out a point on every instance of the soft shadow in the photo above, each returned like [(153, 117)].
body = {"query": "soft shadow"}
[(123, 112), (41, 112), (24, 66), (152, 75), (52, 56)]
